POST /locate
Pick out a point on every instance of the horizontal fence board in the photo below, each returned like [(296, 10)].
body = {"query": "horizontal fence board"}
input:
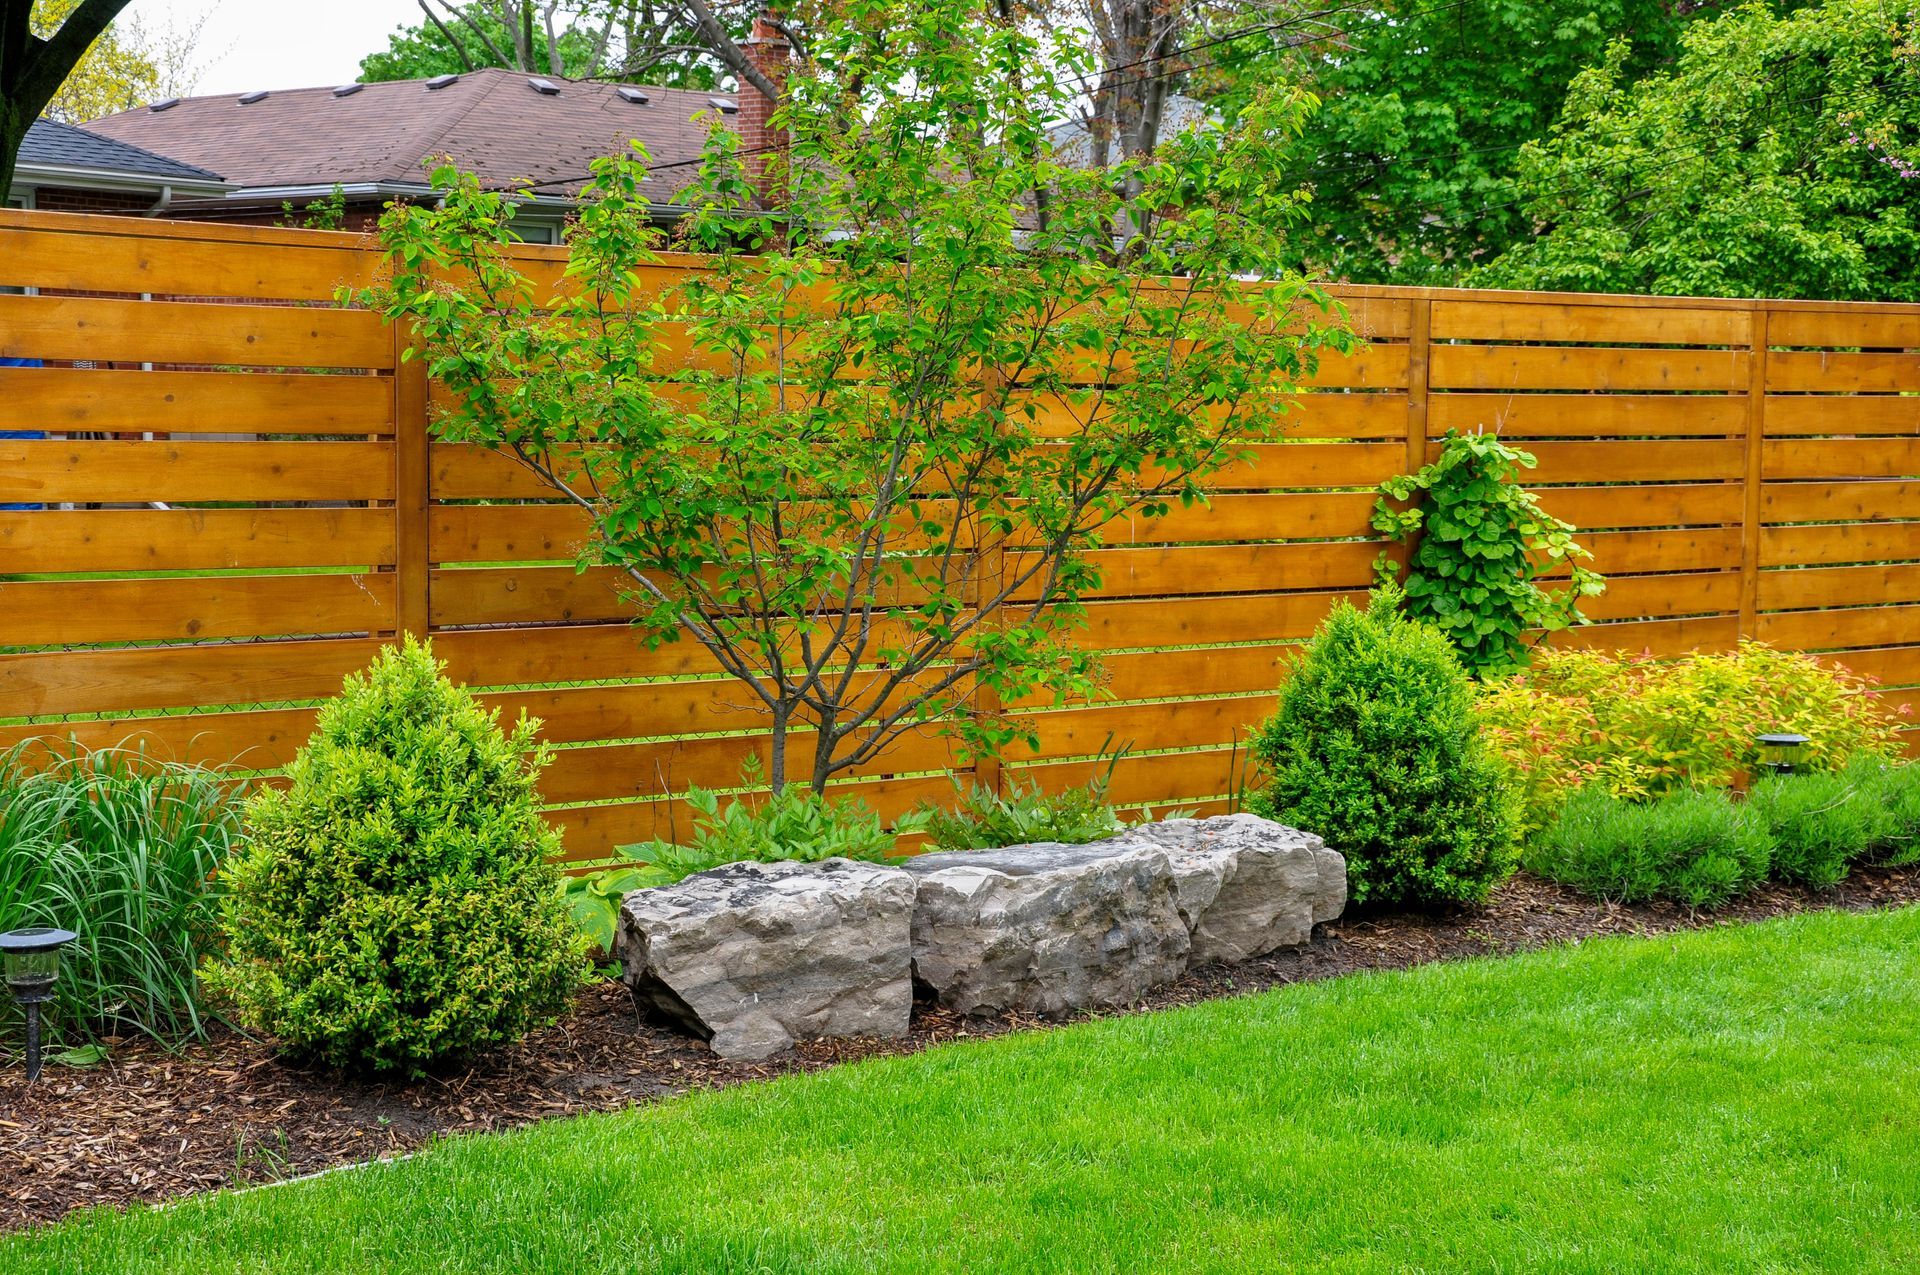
[(664, 768), (1827, 371), (1841, 458), (1522, 416), (1863, 327), (1839, 501), (1524, 367), (191, 608), (1791, 414), (1661, 596), (70, 257), (102, 540), (1084, 732), (1889, 665), (89, 470), (1167, 779), (1657, 505), (1613, 324), (118, 401), (1839, 627), (178, 676), (1839, 542), (1662, 460), (262, 739), (1839, 586), (1224, 568), (52, 327), (1268, 617), (1663, 639), (1231, 670), (1682, 549), (527, 595)]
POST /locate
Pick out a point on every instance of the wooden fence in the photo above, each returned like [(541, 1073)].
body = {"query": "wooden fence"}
[(241, 501)]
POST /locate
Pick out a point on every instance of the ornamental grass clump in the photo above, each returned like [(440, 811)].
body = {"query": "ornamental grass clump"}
[(396, 907), (1376, 749), (124, 850), (1693, 846)]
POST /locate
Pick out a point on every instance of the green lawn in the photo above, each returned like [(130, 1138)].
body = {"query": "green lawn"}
[(1740, 1100)]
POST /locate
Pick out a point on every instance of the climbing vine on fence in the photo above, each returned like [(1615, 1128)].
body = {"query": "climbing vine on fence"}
[(1481, 544)]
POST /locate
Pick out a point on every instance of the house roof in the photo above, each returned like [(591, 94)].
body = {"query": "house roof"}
[(55, 148), (492, 122)]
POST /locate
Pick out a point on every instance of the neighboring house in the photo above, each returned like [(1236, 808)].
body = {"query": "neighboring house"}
[(1073, 144), (68, 169), (378, 142)]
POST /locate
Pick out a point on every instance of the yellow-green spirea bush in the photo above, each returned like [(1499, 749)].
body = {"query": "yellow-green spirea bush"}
[(396, 907), (1375, 748)]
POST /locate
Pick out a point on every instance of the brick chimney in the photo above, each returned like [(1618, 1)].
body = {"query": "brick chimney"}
[(769, 52)]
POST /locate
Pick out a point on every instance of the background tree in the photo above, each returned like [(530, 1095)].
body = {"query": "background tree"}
[(129, 64), (33, 66), (1425, 105), (863, 456), (1779, 158), (661, 41)]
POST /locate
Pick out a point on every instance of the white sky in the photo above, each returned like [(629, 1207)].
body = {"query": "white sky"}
[(279, 44)]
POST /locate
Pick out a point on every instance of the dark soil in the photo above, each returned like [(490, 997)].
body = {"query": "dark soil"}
[(150, 1125)]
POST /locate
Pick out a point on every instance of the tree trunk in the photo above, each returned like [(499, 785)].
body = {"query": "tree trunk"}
[(14, 122)]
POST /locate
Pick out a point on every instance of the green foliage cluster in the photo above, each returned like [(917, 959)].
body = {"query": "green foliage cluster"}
[(396, 908), (1702, 847), (1375, 747), (1640, 727), (125, 851), (1695, 846), (1481, 544), (1413, 156), (795, 825), (1025, 813), (1775, 157)]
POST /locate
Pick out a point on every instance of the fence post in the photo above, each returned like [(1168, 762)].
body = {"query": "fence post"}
[(1755, 448), (1419, 340), (412, 479)]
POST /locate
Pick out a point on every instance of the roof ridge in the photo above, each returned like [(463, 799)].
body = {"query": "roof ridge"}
[(454, 121)]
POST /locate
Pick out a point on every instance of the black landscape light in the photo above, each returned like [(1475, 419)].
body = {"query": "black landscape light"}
[(1782, 754), (33, 967)]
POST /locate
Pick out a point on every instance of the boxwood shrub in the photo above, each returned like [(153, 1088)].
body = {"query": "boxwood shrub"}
[(396, 908), (1375, 748)]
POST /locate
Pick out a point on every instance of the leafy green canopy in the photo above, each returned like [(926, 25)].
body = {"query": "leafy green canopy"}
[(1376, 749), (1779, 158), (1481, 543), (863, 453), (396, 906), (1424, 107)]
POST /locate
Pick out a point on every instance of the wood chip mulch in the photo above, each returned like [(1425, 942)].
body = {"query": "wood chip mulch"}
[(153, 1125)]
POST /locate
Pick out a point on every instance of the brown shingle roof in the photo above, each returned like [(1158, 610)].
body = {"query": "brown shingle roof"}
[(490, 121)]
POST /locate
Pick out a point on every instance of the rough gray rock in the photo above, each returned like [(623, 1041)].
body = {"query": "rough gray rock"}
[(1246, 885), (754, 956), (1046, 928)]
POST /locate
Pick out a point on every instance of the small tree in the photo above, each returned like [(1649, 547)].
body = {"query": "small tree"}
[(862, 450)]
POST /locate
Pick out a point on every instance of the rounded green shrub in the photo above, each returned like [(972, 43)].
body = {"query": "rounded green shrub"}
[(1375, 748), (396, 907), (1822, 822), (1895, 788), (1694, 846)]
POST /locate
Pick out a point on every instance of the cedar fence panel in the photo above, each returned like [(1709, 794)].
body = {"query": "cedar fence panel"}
[(237, 500)]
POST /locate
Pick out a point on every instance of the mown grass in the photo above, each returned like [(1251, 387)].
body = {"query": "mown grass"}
[(1742, 1099)]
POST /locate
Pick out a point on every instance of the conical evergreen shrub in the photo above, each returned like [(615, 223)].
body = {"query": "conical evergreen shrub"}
[(396, 907), (1376, 749)]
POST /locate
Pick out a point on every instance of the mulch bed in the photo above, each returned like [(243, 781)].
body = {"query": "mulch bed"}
[(152, 1125)]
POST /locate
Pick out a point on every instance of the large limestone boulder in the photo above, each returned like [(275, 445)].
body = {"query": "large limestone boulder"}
[(1247, 886), (1046, 928), (754, 956)]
